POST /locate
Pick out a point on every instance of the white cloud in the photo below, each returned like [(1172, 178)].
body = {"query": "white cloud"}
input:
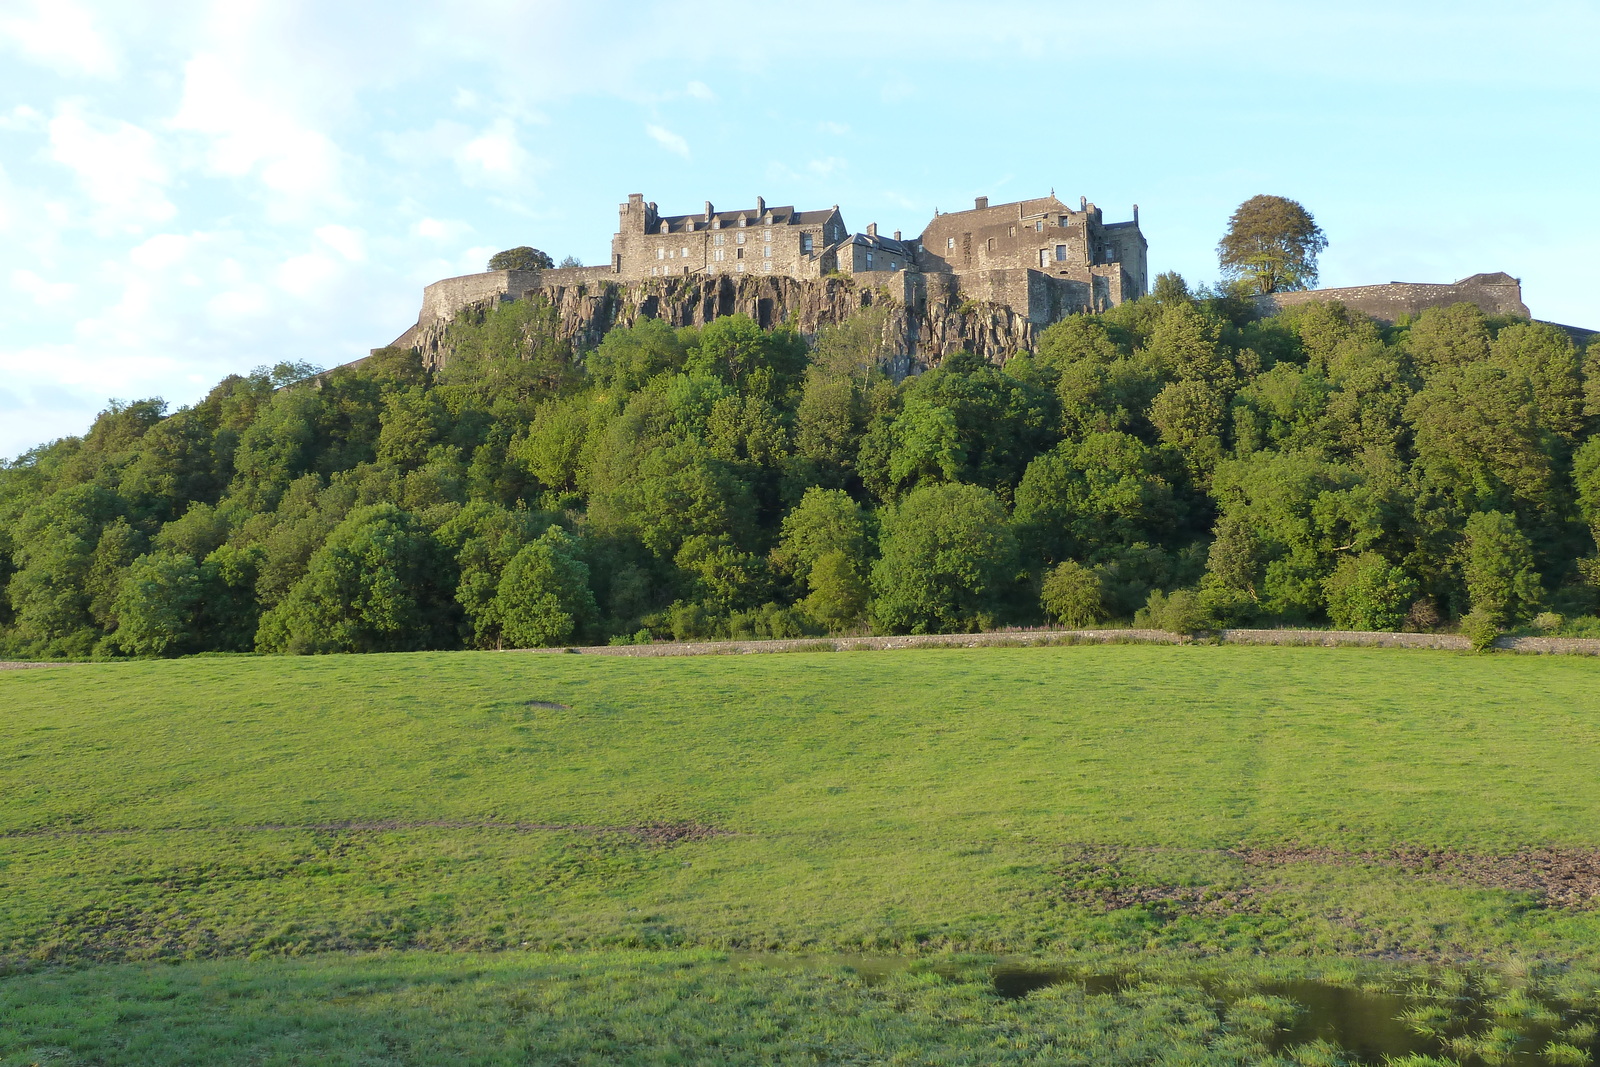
[(62, 35), (119, 166), (668, 140), (251, 135), (44, 293), (345, 241), (494, 157), (700, 91), (441, 229), (22, 118)]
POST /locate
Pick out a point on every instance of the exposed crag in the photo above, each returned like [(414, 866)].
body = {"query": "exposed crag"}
[(927, 318)]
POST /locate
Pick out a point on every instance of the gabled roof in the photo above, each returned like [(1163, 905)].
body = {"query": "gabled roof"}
[(781, 216)]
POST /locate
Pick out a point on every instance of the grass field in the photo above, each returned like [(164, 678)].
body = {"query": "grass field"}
[(1118, 806)]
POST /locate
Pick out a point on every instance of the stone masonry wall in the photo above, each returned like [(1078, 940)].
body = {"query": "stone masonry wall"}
[(1495, 294)]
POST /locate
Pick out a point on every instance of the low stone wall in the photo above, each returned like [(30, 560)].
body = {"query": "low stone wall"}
[(14, 666), (1017, 638)]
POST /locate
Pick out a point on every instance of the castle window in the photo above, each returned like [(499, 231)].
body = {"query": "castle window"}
[(739, 238), (991, 244), (716, 239), (671, 254), (805, 244), (716, 254), (1061, 253), (1038, 226), (767, 252), (1063, 222), (766, 266), (738, 253), (869, 260), (654, 271), (767, 236), (949, 243), (739, 268), (685, 253), (661, 253), (1013, 231)]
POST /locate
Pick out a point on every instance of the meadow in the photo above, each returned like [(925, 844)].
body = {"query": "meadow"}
[(489, 856)]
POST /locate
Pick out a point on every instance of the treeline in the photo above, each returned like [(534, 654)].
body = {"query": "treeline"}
[(1174, 460)]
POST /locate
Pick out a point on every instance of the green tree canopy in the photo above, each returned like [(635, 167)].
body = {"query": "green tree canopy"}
[(949, 559), (521, 257), (1272, 244)]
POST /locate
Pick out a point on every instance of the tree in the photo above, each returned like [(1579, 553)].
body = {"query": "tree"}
[(158, 604), (1497, 565), (1367, 592), (544, 596), (1272, 244), (379, 584), (520, 258), (570, 261), (948, 558), (1072, 594)]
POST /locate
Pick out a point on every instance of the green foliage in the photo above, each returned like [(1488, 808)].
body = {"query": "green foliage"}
[(1272, 243), (1175, 441), (544, 596), (1071, 594), (1497, 566), (1180, 611), (520, 258), (379, 584), (949, 558), (1367, 592)]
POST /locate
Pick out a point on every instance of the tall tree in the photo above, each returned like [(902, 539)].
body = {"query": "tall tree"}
[(1272, 244)]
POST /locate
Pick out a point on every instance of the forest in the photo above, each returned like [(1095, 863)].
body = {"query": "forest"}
[(1176, 461)]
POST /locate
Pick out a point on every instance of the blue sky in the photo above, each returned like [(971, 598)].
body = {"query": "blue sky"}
[(196, 191)]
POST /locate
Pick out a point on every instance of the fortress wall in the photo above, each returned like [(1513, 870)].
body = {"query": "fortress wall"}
[(442, 299), (1387, 303)]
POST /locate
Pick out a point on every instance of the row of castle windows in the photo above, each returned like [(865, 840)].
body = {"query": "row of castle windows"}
[(659, 272)]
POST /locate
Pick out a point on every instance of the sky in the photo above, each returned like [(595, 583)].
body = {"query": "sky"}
[(192, 189)]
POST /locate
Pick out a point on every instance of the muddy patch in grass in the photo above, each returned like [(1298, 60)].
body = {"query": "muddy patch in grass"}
[(1220, 882), (547, 705)]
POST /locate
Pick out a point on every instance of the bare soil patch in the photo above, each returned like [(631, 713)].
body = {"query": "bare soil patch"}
[(1556, 877)]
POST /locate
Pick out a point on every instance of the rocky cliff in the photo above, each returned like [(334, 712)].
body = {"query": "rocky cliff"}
[(927, 318)]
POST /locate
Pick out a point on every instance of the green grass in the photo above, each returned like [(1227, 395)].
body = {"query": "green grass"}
[(908, 802)]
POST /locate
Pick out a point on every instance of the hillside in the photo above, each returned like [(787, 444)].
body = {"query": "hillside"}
[(1176, 459)]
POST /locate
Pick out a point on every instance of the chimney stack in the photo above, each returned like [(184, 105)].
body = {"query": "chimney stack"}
[(761, 206), (709, 212), (897, 235), (980, 203), (872, 229), (1083, 203), (1136, 214)]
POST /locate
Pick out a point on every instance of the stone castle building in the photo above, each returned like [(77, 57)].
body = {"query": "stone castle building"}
[(1041, 259)]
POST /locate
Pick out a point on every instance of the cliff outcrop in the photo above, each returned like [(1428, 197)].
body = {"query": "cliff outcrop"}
[(926, 317)]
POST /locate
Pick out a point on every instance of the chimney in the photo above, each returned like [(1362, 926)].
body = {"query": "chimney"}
[(708, 211), (1136, 214), (980, 203), (761, 206), (897, 235), (1083, 203), (872, 229)]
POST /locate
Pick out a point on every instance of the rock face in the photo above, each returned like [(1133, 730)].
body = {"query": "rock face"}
[(927, 318)]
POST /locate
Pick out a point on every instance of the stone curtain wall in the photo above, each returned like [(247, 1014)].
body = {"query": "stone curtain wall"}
[(1495, 294), (442, 299)]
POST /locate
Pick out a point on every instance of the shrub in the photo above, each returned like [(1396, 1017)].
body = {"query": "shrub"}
[(1178, 612), (1481, 627), (1072, 594)]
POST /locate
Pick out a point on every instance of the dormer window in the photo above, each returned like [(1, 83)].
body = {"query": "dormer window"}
[(743, 221)]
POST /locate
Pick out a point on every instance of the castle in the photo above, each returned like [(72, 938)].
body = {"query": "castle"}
[(987, 279), (1041, 259)]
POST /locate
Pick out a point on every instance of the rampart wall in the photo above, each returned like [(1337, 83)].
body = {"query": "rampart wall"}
[(1495, 294)]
